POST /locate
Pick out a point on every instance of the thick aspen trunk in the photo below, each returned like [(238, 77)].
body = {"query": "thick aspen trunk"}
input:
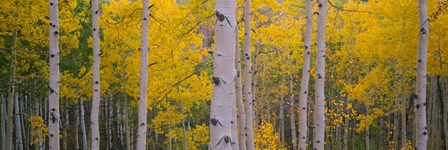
[(142, 108), (83, 125), (319, 105), (292, 110), (94, 124), (303, 104), (239, 98), (225, 73), (53, 103), (235, 135), (248, 76), (420, 101)]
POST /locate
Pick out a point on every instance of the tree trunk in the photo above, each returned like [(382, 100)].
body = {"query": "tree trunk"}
[(239, 98), (282, 123), (53, 103), (367, 131), (248, 76), (77, 130), (292, 110), (319, 106), (403, 113), (83, 125), (445, 110), (303, 112), (224, 76), (142, 108), (66, 124), (254, 89), (420, 101), (3, 118), (18, 122), (95, 133)]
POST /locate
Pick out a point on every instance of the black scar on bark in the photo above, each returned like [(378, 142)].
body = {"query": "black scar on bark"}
[(216, 80), (215, 122)]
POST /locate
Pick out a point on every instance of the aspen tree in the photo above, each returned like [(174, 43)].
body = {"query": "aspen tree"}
[(248, 77), (53, 104), (142, 110), (319, 104), (239, 99), (292, 109), (420, 101), (95, 136), (303, 109), (224, 76), (11, 91)]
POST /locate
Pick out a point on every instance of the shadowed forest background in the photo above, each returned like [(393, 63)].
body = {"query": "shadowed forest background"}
[(370, 73)]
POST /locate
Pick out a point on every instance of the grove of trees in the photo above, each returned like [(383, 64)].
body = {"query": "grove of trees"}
[(223, 74)]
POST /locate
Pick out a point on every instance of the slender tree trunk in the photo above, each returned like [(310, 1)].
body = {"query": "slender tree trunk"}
[(11, 91), (239, 98), (396, 118), (19, 139), (3, 116), (292, 110), (256, 116), (445, 110), (420, 102), (248, 76), (83, 125), (303, 112), (66, 123), (367, 131), (142, 108), (53, 103), (77, 130), (319, 106), (282, 123), (403, 112), (346, 112), (95, 136), (170, 144), (224, 76), (381, 137)]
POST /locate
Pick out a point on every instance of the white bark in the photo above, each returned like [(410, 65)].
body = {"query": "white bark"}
[(239, 98), (303, 104), (19, 141), (95, 136), (248, 77), (420, 102), (235, 135), (142, 110), (53, 103), (224, 76), (319, 105), (83, 125), (292, 110)]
